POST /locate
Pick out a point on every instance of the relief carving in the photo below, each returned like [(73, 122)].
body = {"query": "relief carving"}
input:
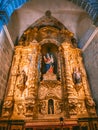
[(42, 107), (29, 104), (90, 105), (7, 108), (50, 88), (72, 102), (81, 109), (59, 107), (20, 107)]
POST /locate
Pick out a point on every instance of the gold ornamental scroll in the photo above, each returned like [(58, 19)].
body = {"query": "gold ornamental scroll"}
[(32, 82), (70, 94), (20, 87)]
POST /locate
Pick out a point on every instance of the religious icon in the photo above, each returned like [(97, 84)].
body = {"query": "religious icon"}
[(49, 63)]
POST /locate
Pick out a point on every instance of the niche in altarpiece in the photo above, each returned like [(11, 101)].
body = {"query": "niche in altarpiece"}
[(49, 62)]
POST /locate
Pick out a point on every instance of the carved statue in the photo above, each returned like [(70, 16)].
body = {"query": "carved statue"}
[(48, 59), (77, 78), (21, 80), (50, 109)]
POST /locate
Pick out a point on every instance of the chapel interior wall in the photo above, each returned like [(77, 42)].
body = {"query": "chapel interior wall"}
[(6, 53)]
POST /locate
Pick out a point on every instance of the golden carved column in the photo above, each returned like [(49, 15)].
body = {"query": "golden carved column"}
[(25, 92), (32, 82), (76, 84), (23, 83), (70, 93), (9, 100), (77, 76), (20, 91)]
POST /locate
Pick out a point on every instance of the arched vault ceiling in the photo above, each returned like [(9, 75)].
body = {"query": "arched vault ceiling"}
[(7, 7)]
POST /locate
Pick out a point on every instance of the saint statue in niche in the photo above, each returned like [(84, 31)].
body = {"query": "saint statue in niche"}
[(50, 106), (21, 80), (49, 63), (77, 75)]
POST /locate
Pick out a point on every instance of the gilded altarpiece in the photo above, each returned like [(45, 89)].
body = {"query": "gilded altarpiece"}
[(47, 79)]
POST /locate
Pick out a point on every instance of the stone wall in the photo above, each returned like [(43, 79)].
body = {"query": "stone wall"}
[(5, 62), (91, 64)]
